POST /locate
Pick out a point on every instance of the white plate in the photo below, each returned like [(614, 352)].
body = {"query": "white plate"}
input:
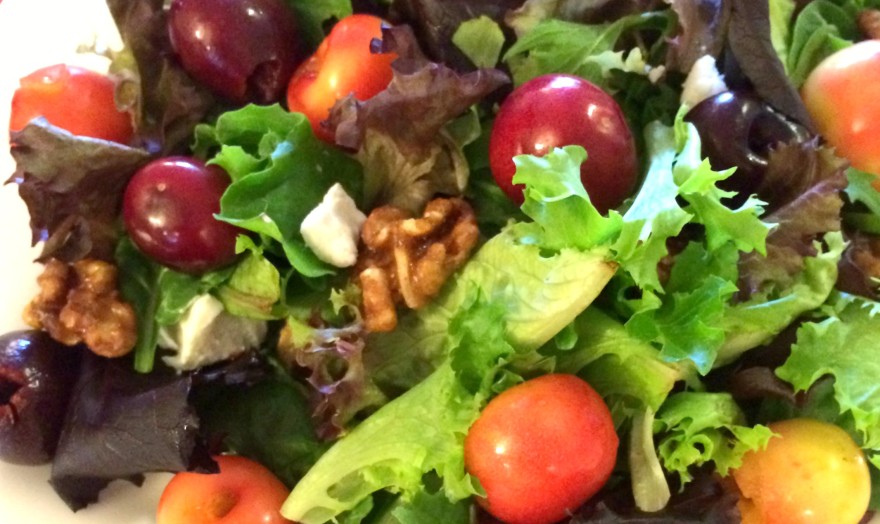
[(33, 34)]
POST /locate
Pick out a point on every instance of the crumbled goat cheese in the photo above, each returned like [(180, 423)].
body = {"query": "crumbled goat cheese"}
[(331, 230), (703, 81), (207, 334)]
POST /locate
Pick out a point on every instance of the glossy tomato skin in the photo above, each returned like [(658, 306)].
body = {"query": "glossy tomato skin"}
[(243, 492), (541, 449), (75, 99), (243, 50), (560, 110), (810, 473), (169, 208), (842, 96), (343, 64)]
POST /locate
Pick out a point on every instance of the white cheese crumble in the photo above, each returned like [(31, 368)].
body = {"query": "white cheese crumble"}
[(207, 334), (703, 81), (331, 230)]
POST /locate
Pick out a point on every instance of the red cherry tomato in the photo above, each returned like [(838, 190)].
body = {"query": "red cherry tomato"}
[(244, 492), (72, 98), (541, 449), (810, 472), (342, 65), (560, 110), (843, 98), (169, 208)]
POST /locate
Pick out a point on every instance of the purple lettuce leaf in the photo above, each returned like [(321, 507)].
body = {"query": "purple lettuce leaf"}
[(121, 424), (166, 101), (73, 188), (748, 38), (800, 222), (399, 134), (702, 30), (333, 359)]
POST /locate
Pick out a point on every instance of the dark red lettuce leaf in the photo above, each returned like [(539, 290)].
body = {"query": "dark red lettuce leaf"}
[(73, 189), (801, 221), (121, 424), (436, 21), (399, 134), (166, 101), (422, 97), (748, 38), (859, 267), (707, 499), (333, 359), (702, 30)]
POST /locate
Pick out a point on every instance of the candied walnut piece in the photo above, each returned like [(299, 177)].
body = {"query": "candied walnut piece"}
[(80, 303), (409, 259)]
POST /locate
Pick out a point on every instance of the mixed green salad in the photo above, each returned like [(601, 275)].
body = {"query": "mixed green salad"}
[(730, 288)]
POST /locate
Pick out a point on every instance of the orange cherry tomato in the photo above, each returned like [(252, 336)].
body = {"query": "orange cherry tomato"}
[(244, 492), (810, 473), (342, 65), (72, 98), (541, 449)]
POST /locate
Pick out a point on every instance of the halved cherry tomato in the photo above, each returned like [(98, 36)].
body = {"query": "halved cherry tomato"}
[(342, 65), (72, 98), (541, 449), (244, 492)]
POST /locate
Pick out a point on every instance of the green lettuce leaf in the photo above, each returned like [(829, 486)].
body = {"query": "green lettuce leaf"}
[(821, 28), (698, 428), (861, 189), (481, 40), (628, 372), (268, 422), (159, 295), (844, 346), (756, 321), (541, 293), (418, 433), (279, 172), (311, 16), (588, 51), (558, 204)]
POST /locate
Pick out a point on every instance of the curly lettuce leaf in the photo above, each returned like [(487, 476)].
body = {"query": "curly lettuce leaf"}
[(699, 428), (73, 188), (400, 134), (418, 433), (279, 172), (558, 204), (757, 320), (843, 345), (688, 323)]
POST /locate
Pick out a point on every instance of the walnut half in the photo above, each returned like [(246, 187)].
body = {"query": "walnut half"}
[(408, 259), (80, 303)]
